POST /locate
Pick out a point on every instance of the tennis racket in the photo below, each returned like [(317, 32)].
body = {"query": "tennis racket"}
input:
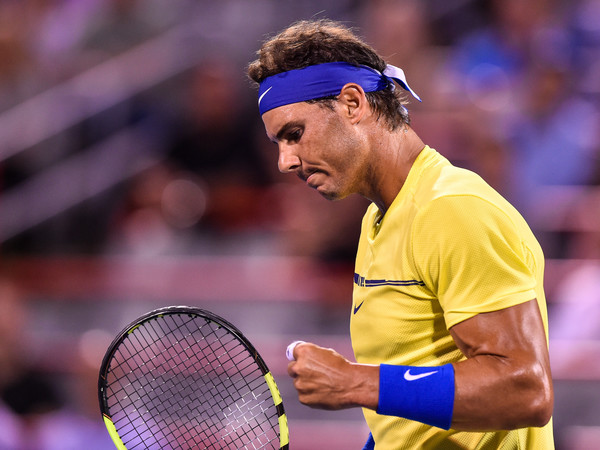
[(180, 378)]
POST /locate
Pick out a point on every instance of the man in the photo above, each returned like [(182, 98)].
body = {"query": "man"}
[(448, 321)]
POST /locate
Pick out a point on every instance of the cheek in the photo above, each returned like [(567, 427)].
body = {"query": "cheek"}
[(350, 148), (334, 142), (343, 137)]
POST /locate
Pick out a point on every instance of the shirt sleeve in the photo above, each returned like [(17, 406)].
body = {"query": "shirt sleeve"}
[(472, 257)]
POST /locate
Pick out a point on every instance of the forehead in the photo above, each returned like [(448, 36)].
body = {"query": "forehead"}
[(302, 112)]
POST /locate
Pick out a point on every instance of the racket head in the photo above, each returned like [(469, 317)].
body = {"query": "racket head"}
[(183, 377)]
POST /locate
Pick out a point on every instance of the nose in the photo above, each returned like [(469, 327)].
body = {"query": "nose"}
[(288, 160)]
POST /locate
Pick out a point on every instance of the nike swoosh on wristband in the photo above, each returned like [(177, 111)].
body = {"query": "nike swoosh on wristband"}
[(410, 377), (356, 308), (263, 94)]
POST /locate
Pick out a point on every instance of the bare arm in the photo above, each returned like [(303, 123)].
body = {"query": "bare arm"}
[(503, 384)]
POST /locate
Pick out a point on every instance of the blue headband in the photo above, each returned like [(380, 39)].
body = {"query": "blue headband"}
[(323, 80)]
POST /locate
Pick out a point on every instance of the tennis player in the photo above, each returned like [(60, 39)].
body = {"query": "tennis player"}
[(449, 320)]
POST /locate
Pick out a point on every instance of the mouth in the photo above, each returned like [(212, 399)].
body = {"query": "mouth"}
[(311, 178), (318, 181)]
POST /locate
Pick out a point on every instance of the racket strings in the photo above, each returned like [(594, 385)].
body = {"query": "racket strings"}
[(182, 381)]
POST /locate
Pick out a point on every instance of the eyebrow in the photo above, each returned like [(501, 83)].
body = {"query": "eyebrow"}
[(285, 129)]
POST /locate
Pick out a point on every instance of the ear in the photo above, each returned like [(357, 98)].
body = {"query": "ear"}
[(353, 101)]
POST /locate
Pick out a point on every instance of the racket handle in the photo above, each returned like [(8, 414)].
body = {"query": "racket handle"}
[(289, 353)]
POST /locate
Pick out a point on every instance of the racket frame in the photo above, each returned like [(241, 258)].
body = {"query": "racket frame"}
[(207, 315)]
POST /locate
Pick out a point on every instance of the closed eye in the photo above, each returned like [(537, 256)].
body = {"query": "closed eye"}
[(294, 136), (290, 132)]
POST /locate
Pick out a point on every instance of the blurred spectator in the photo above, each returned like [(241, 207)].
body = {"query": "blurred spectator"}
[(556, 137), (400, 31), (213, 139), (586, 40), (78, 424), (26, 394), (122, 24), (15, 60), (213, 135), (12, 324), (574, 316), (59, 28), (35, 413), (491, 61), (157, 213), (576, 313)]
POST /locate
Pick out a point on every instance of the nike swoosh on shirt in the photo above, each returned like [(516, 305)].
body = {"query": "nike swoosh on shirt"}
[(263, 94), (356, 308), (410, 377)]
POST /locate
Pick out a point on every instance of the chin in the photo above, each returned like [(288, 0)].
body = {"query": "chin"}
[(332, 196)]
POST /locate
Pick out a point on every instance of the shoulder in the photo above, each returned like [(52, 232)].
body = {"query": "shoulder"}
[(445, 181), (459, 205), (433, 176)]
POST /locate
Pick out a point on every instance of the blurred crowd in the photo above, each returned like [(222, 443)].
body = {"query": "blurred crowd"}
[(128, 127), (511, 90)]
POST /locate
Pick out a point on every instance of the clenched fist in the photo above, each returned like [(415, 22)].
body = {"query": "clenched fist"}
[(325, 379)]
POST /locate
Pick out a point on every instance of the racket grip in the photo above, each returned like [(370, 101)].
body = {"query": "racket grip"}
[(289, 353)]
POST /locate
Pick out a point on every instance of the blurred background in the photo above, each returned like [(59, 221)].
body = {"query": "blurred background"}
[(134, 174)]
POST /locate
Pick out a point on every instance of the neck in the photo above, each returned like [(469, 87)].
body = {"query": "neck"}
[(393, 156)]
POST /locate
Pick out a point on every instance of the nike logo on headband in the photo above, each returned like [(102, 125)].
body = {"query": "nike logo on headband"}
[(263, 94)]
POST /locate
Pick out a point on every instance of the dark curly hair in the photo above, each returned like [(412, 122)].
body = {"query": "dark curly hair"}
[(309, 42)]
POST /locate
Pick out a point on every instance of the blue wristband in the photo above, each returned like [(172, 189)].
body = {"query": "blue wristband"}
[(424, 394)]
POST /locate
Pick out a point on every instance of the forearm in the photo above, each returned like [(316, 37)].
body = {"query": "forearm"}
[(365, 390), (480, 394)]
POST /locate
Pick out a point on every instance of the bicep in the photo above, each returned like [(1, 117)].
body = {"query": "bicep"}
[(514, 332), (505, 381)]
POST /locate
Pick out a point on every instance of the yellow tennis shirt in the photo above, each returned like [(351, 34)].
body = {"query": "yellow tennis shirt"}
[(448, 248)]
